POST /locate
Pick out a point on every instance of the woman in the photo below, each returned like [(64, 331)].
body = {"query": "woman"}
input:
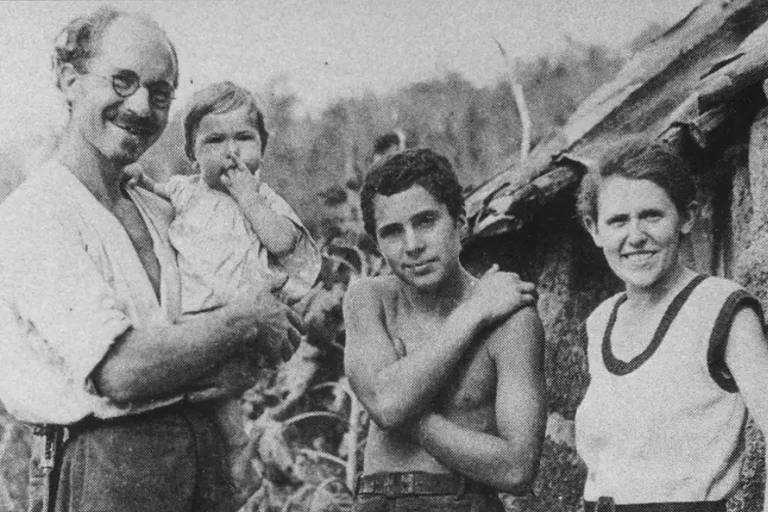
[(674, 360)]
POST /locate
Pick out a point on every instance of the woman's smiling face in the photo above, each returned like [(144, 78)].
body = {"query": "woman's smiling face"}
[(639, 229)]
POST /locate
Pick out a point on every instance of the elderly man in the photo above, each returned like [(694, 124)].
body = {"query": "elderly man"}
[(449, 367), (90, 336)]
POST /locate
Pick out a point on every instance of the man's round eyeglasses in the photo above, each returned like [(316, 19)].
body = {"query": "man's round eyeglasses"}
[(126, 83)]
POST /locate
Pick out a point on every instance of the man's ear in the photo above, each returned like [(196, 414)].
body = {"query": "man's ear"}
[(591, 226), (67, 78), (688, 217)]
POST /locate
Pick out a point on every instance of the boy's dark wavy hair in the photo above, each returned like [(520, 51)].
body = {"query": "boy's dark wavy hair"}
[(401, 171)]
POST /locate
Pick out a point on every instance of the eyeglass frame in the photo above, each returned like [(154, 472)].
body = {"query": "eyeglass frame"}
[(133, 83)]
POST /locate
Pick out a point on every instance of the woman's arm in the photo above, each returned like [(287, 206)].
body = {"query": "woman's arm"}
[(746, 356)]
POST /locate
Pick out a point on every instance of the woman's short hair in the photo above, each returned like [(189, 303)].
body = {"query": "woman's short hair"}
[(638, 158), (403, 170), (220, 98)]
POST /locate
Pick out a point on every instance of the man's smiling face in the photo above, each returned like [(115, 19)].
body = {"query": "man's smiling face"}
[(119, 128)]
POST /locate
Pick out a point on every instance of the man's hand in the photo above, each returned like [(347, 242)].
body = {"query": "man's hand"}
[(276, 328), (497, 295), (242, 183)]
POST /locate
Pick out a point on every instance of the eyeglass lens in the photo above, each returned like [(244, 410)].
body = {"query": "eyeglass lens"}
[(127, 83)]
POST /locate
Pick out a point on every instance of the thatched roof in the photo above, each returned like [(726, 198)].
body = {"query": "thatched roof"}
[(682, 88)]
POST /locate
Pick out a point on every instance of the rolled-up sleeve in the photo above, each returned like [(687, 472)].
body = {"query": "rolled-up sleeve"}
[(60, 299)]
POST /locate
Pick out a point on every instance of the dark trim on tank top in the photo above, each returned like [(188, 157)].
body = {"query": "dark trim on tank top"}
[(619, 367), (718, 370)]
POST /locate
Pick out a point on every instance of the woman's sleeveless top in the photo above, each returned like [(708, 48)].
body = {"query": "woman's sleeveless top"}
[(667, 425)]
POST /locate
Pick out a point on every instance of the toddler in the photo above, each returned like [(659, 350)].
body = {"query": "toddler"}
[(231, 231)]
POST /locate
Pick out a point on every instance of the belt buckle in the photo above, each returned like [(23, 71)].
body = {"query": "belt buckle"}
[(605, 504), (408, 483), (390, 484)]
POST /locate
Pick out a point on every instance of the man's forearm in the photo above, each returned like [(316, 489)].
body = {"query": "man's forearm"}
[(484, 457), (407, 387), (163, 360)]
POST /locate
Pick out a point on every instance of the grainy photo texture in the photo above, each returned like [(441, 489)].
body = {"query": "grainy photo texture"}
[(484, 255)]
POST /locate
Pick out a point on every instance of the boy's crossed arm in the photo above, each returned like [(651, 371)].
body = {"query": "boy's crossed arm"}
[(507, 459), (395, 389)]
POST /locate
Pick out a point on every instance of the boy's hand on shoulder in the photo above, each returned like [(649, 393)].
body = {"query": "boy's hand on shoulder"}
[(498, 294)]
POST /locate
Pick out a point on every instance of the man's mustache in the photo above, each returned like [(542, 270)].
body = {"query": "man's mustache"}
[(134, 122)]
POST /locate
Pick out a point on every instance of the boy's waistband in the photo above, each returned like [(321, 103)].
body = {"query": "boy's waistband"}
[(419, 483)]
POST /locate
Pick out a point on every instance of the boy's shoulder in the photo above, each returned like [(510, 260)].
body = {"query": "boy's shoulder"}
[(517, 341), (383, 288)]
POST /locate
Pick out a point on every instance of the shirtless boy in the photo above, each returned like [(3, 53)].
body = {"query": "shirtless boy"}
[(449, 367)]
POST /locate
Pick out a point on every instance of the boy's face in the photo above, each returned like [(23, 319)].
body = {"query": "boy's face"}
[(221, 137), (418, 237)]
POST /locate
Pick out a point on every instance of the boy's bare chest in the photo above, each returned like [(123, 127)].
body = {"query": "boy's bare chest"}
[(471, 384)]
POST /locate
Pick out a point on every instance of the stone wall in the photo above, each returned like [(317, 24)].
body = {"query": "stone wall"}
[(750, 230)]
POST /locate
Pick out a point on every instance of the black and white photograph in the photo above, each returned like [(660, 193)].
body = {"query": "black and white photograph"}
[(394, 256)]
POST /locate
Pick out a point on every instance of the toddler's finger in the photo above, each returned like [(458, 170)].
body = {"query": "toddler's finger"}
[(240, 164), (229, 176)]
